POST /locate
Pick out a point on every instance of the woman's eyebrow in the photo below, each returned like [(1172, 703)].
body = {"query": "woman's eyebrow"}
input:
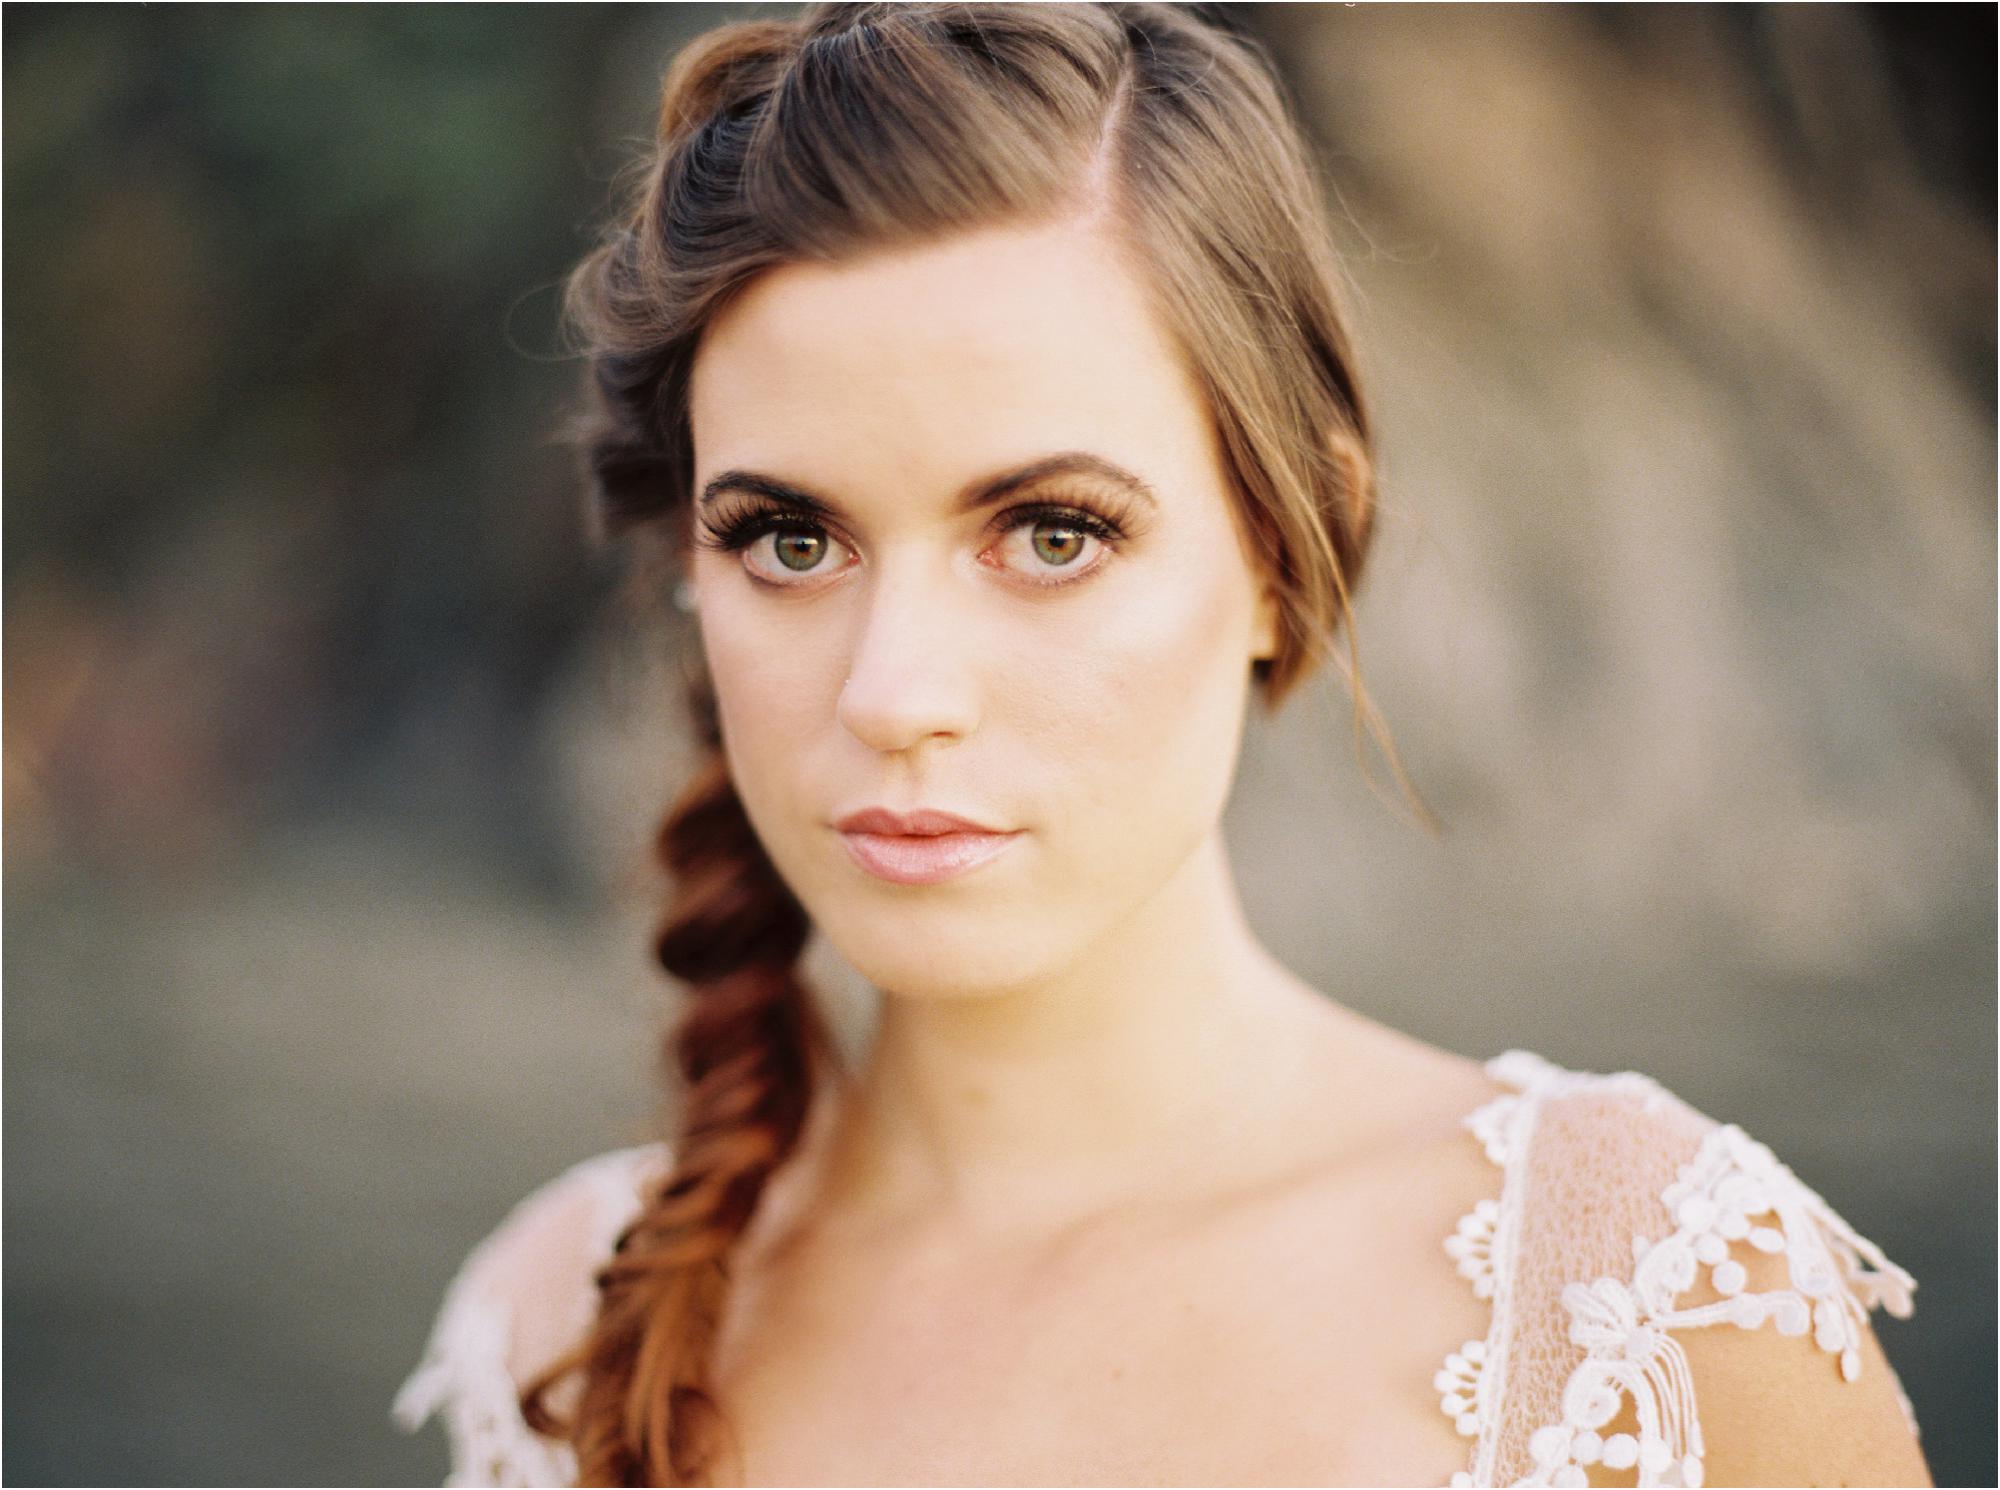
[(982, 492)]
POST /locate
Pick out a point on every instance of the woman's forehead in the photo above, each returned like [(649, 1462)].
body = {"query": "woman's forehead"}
[(954, 356)]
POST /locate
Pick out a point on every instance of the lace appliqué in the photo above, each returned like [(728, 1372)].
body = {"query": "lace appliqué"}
[(1732, 1190), (1469, 1383), (464, 1373)]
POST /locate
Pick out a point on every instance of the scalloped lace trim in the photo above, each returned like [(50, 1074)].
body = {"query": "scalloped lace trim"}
[(1722, 1195)]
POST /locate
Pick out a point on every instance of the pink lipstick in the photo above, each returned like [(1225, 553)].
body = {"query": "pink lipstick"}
[(919, 848)]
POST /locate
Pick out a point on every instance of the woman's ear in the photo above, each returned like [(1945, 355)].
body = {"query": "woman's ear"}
[(1264, 631)]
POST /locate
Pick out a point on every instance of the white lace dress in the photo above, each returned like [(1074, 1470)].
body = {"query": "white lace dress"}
[(1615, 1198)]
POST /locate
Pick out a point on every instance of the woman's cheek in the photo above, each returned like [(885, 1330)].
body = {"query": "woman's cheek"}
[(764, 699), (1172, 662), (1137, 719), (1180, 711)]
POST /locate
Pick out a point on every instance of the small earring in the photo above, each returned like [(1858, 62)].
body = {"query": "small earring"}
[(684, 597)]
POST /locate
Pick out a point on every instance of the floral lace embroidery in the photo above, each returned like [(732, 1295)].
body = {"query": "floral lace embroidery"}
[(1723, 1195), (464, 1374)]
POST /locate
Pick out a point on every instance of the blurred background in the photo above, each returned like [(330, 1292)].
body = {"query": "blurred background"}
[(329, 761)]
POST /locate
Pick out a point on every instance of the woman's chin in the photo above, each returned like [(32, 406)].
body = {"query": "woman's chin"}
[(904, 955)]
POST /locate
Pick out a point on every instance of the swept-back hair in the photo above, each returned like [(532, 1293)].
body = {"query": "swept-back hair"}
[(854, 128)]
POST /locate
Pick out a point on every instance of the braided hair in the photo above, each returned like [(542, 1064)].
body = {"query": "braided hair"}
[(854, 127)]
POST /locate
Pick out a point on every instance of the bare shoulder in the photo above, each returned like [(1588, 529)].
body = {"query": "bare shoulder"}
[(1743, 1284), (1406, 1165), (1794, 1386), (1777, 1411), (1419, 1098), (1405, 1151)]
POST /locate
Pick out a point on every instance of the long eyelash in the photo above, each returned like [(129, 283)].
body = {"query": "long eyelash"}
[(730, 527), (1108, 526)]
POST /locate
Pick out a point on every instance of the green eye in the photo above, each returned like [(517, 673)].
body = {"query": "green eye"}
[(799, 551), (1063, 547), (1059, 536)]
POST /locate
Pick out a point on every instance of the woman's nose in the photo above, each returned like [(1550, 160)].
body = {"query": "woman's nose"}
[(911, 675)]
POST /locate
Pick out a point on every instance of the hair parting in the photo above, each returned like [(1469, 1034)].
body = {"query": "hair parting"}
[(853, 128)]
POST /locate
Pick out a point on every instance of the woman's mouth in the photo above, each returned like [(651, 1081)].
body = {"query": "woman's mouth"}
[(924, 858)]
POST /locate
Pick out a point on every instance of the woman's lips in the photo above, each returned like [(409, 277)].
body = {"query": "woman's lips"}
[(926, 858)]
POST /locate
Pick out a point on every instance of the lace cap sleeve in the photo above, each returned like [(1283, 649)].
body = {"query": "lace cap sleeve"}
[(522, 1296), (1626, 1215)]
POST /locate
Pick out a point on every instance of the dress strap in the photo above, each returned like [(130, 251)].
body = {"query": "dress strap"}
[(1616, 1197)]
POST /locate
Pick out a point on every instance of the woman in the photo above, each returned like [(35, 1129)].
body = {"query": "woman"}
[(980, 372)]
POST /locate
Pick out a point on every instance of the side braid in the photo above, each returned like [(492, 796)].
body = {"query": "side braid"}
[(853, 127), (744, 1052)]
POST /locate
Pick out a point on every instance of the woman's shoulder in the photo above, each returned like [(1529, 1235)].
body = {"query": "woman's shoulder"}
[(1651, 1271), (523, 1295), (1624, 1145)]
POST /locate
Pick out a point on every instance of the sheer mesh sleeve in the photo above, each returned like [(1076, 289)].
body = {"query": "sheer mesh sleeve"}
[(523, 1295), (1625, 1215)]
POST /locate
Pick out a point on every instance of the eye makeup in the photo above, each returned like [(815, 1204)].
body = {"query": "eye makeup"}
[(734, 521)]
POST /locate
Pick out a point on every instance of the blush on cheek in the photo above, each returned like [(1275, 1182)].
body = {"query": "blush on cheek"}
[(1175, 645), (1151, 699), (1205, 684)]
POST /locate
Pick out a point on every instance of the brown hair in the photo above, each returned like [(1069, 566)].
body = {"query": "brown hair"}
[(855, 127)]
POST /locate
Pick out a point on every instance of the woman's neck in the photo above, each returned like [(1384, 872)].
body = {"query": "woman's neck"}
[(1176, 1048)]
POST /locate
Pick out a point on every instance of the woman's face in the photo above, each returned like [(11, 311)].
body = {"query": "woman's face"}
[(1068, 660)]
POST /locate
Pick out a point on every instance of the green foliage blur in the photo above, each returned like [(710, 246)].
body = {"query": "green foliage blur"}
[(284, 380)]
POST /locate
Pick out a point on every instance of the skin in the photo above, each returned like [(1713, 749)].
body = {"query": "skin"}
[(1775, 1414), (1058, 1020), (1108, 1168), (1087, 1068)]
